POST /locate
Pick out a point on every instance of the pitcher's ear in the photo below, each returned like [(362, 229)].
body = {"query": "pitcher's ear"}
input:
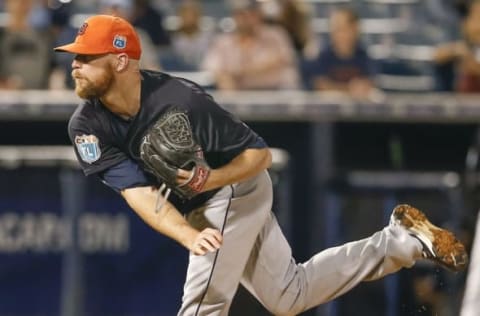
[(121, 62)]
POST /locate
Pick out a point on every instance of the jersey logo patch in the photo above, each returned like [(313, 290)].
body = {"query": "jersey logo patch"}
[(88, 148)]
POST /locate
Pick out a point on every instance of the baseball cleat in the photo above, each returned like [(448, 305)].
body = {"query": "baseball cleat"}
[(439, 245)]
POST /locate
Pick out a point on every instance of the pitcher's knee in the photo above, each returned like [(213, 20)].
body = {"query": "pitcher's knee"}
[(288, 305), (284, 310)]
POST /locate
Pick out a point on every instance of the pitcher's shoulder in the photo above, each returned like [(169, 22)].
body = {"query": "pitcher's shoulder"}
[(86, 114)]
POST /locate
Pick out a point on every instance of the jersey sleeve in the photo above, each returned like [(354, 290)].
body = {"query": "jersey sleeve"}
[(124, 175), (94, 151), (219, 131)]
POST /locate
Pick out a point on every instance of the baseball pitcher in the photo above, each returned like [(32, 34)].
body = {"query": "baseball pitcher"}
[(197, 174)]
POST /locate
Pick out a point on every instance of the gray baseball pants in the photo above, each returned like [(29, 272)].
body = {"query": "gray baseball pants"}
[(471, 298), (256, 253)]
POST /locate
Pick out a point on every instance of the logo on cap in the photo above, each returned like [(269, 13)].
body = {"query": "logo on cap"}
[(119, 42), (83, 28)]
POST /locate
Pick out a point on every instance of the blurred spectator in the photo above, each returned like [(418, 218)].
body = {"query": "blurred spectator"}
[(464, 54), (294, 17), (146, 17), (25, 52), (254, 56), (461, 6), (429, 293), (40, 16), (123, 8), (62, 32), (344, 65), (190, 42)]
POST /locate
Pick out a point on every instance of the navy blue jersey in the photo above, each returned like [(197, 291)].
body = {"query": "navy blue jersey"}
[(108, 145)]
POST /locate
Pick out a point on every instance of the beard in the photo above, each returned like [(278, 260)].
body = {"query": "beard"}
[(87, 89)]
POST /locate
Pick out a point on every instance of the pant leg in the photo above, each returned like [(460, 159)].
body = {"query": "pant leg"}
[(471, 298), (287, 288), (213, 279)]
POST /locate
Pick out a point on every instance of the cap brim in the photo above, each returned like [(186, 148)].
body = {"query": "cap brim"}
[(76, 48)]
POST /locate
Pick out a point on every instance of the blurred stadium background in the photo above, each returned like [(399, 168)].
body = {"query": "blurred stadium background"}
[(71, 247)]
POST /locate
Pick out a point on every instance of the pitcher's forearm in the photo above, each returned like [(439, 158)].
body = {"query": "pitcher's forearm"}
[(246, 165), (167, 221)]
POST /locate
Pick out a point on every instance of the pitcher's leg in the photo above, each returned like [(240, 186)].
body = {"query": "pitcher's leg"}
[(471, 299), (212, 280), (287, 288)]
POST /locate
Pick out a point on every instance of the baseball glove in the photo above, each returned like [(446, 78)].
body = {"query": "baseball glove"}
[(168, 146)]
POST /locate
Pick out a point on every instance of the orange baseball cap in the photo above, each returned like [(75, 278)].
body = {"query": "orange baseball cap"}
[(101, 34)]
